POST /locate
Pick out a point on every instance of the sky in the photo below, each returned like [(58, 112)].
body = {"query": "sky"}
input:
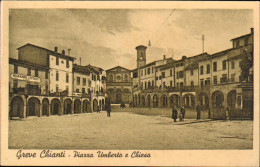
[(107, 37)]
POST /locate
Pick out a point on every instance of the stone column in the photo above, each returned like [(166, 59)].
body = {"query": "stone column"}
[(40, 110), (81, 106), (72, 106), (24, 111), (49, 110)]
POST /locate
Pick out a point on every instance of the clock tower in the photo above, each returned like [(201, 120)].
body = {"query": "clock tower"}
[(141, 55)]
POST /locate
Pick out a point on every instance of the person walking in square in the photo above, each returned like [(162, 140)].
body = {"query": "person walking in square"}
[(182, 111), (108, 108), (198, 109), (174, 113)]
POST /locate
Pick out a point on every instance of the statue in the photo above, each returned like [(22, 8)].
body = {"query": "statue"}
[(246, 64)]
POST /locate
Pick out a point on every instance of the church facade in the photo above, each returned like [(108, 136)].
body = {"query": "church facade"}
[(119, 85)]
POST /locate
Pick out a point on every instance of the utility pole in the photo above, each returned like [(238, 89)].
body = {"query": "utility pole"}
[(202, 43)]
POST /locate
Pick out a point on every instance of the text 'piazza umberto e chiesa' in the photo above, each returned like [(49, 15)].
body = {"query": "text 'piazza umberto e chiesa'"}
[(46, 82)]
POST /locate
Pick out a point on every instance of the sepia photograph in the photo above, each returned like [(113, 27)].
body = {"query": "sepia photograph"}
[(130, 79)]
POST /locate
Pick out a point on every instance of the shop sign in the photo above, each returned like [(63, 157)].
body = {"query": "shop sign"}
[(33, 79), (19, 77), (25, 78), (76, 94)]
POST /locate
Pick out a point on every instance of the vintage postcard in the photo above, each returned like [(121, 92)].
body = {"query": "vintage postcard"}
[(130, 83)]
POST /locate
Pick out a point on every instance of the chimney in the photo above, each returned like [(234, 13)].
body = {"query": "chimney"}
[(252, 30), (69, 51), (63, 52), (56, 49), (164, 57)]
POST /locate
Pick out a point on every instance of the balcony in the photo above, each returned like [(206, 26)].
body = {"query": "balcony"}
[(27, 91)]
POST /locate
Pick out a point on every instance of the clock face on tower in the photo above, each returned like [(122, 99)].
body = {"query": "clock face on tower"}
[(141, 57)]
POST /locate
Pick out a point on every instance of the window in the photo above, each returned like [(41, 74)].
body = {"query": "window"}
[(201, 70), (177, 75), (181, 74), (67, 89), (181, 84), (148, 70), (202, 82), (83, 90), (181, 64), (232, 78), (145, 85), (240, 78), (170, 72), (152, 83), (215, 66), (36, 73), (141, 72), (89, 83), (57, 60), (207, 81), (170, 83), (57, 88), (233, 65), (15, 69), (191, 83), (177, 84), (67, 64), (149, 84), (191, 72), (57, 76), (237, 44), (77, 90), (15, 82), (67, 77), (152, 69), (224, 64), (28, 71), (84, 81), (156, 78), (224, 78), (164, 84), (144, 71), (46, 74), (160, 77), (126, 78), (62, 62), (215, 80), (208, 68), (163, 74), (46, 88), (78, 80), (246, 41)]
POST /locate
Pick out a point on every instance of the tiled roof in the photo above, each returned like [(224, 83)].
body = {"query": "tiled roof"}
[(54, 53)]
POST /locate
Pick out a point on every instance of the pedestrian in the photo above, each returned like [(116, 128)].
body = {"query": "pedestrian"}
[(108, 108), (174, 113), (182, 112), (198, 109)]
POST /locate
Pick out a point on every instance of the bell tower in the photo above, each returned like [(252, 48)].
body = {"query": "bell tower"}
[(141, 55)]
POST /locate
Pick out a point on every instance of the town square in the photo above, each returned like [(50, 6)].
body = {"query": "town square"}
[(174, 79)]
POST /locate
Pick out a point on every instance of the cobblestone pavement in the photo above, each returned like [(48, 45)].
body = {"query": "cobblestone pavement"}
[(124, 130)]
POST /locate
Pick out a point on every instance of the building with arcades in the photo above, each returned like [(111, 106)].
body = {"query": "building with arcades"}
[(119, 85), (213, 81), (41, 82)]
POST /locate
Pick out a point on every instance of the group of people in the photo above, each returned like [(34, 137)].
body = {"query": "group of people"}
[(182, 113), (175, 114)]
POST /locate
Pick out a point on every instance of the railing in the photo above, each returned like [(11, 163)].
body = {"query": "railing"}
[(27, 91)]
